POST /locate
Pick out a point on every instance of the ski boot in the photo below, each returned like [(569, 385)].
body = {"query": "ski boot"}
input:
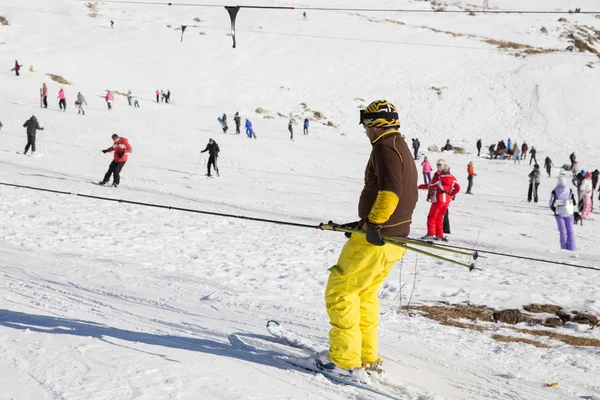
[(375, 369), (355, 374)]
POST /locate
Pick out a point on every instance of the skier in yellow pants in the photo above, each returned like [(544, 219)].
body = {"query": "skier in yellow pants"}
[(385, 207)]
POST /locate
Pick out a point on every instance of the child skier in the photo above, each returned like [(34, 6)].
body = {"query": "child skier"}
[(442, 190), (426, 171), (471, 175), (562, 202), (517, 154), (109, 99), (586, 195)]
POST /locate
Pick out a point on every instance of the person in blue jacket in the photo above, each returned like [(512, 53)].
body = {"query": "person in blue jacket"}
[(249, 130), (509, 144), (306, 124)]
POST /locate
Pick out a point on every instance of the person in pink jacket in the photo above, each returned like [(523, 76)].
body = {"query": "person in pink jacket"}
[(109, 99), (62, 100), (426, 171)]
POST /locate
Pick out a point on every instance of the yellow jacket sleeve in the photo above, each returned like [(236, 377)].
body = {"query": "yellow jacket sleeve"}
[(384, 206)]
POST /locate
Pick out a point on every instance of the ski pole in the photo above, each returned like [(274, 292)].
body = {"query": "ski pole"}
[(408, 244), (471, 266), (198, 164), (396, 240)]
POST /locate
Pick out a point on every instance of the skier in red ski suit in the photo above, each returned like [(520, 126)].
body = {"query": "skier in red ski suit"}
[(442, 190)]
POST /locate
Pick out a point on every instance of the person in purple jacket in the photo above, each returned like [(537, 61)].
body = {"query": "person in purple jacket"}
[(562, 202)]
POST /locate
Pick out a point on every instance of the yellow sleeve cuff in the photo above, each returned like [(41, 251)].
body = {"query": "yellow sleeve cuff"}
[(384, 207)]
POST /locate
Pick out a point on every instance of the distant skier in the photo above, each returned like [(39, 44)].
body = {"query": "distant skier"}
[(130, 98), (62, 100), (32, 126), (548, 166), (442, 190), (136, 103), (516, 154), (109, 99), (534, 183), (168, 96), (45, 95), (304, 16), (595, 176), (249, 130), (471, 175), (492, 151), (17, 68), (223, 121), (157, 96), (213, 152), (532, 155), (573, 160), (162, 96), (577, 181), (586, 195), (562, 203), (121, 148), (112, 24), (238, 122), (426, 171), (291, 128), (509, 144), (416, 145), (524, 150), (479, 148), (447, 146), (306, 125), (80, 102)]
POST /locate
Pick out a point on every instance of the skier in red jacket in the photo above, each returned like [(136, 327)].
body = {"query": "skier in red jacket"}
[(121, 148), (442, 190)]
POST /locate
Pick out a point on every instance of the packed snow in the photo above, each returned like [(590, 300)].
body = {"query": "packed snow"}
[(107, 300)]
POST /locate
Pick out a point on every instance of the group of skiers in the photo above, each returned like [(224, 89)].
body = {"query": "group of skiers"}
[(510, 151), (306, 124), (162, 97), (238, 122)]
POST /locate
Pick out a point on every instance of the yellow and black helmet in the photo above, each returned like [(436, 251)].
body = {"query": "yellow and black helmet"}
[(380, 114)]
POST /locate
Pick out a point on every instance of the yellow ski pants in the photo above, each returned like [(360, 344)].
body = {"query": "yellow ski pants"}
[(352, 302)]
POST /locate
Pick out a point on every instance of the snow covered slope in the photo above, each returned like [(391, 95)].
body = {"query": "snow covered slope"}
[(102, 300)]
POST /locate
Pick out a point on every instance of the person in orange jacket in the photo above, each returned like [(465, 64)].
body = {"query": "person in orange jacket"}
[(442, 190), (472, 174), (121, 148)]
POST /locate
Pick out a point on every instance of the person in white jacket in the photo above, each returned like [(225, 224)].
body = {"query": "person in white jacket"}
[(586, 195)]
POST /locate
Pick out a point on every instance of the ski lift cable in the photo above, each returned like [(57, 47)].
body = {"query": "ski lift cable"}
[(331, 226), (348, 9)]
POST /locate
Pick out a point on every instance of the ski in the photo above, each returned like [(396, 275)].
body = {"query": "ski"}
[(285, 336), (305, 363), (102, 184)]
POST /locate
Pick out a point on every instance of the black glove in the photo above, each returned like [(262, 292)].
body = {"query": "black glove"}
[(120, 154), (350, 225), (374, 234), (105, 151)]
